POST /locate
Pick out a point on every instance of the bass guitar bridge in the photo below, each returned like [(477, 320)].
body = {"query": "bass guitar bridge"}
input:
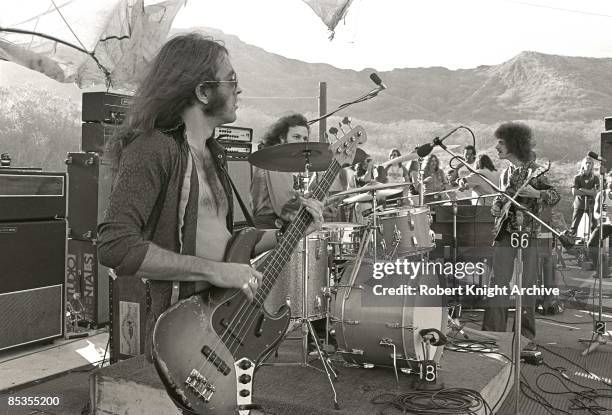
[(200, 385)]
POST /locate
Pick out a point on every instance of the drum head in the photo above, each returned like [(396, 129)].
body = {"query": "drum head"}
[(404, 211), (340, 225)]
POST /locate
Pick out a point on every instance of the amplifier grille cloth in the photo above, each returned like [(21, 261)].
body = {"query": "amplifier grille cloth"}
[(30, 315)]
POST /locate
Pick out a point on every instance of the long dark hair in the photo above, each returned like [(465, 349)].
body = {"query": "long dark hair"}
[(428, 169), (395, 150), (277, 131), (485, 162), (168, 88), (517, 137)]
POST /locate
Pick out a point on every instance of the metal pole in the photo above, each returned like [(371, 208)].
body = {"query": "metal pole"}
[(322, 112), (518, 314)]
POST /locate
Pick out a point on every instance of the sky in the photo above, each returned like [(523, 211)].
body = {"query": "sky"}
[(387, 34)]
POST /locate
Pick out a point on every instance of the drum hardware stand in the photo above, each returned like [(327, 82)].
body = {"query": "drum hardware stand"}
[(424, 385), (304, 320), (600, 335), (389, 343)]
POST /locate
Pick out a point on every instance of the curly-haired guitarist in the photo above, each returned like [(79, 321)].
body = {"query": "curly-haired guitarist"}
[(515, 145)]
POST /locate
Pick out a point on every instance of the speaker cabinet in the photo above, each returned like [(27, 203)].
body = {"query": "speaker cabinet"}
[(85, 276), (129, 307), (606, 149), (32, 195), (90, 179), (95, 136), (32, 261)]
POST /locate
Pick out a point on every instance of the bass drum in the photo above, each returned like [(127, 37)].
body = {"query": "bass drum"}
[(369, 328)]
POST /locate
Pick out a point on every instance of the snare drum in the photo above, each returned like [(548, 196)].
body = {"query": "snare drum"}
[(369, 330), (405, 230), (344, 239), (289, 286)]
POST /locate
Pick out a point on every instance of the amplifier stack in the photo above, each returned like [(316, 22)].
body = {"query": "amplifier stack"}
[(32, 255), (237, 142), (90, 178)]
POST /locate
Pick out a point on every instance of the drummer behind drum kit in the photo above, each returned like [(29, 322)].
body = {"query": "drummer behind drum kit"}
[(328, 277)]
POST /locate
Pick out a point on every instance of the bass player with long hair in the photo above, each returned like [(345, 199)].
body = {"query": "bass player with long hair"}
[(169, 218)]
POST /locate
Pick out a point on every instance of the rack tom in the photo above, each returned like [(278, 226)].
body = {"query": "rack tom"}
[(405, 230)]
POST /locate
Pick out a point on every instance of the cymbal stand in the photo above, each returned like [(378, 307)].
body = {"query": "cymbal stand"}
[(307, 328), (421, 185), (374, 224), (600, 334)]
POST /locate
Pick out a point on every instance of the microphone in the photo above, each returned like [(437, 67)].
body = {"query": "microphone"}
[(425, 149), (596, 156), (376, 79)]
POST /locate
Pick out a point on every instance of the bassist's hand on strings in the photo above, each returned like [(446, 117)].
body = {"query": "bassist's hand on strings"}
[(241, 276), (315, 208)]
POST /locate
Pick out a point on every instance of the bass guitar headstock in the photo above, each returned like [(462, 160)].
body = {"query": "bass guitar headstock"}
[(344, 149)]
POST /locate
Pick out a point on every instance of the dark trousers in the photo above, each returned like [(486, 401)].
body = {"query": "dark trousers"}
[(576, 217), (594, 242), (496, 308)]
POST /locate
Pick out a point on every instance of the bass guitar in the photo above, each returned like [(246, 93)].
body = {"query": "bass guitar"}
[(206, 347)]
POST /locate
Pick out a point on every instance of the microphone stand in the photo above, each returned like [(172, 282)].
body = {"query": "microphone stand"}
[(599, 328), (518, 267), (504, 194)]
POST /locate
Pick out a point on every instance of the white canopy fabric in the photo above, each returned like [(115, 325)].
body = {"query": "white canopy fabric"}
[(114, 39), (101, 42), (330, 11)]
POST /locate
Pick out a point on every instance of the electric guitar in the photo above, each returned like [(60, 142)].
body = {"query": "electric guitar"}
[(500, 220), (206, 347)]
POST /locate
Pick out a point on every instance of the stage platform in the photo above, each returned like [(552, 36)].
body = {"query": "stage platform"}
[(133, 387)]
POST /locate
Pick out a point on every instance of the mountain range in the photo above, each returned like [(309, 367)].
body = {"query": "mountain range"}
[(530, 85), (564, 99)]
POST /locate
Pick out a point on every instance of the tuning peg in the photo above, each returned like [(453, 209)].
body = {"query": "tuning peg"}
[(347, 121), (334, 131)]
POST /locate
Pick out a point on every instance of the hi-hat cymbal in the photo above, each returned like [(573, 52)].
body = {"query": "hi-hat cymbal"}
[(372, 187), (413, 155), (292, 157), (367, 196), (451, 190)]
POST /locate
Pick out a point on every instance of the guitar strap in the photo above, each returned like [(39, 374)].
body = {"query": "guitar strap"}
[(245, 211)]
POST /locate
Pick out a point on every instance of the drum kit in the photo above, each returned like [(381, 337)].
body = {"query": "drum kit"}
[(328, 278)]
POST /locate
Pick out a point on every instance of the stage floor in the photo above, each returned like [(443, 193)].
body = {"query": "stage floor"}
[(133, 385)]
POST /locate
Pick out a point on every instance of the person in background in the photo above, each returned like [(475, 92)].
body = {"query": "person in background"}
[(584, 189), (434, 180), (397, 173), (275, 194), (484, 166), (604, 217), (469, 155)]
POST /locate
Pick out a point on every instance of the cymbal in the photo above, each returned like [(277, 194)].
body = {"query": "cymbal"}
[(292, 157), (372, 187), (454, 189), (413, 155), (367, 196)]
